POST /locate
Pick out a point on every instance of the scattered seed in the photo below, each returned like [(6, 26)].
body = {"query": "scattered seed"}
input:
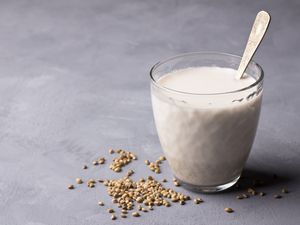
[(147, 162), (251, 191), (84, 167), (239, 197), (176, 183), (101, 160), (71, 187), (182, 202), (79, 181), (284, 190), (123, 215), (124, 158), (144, 210), (135, 214), (110, 211), (111, 151), (91, 185), (113, 217), (164, 180), (277, 196), (245, 196), (95, 163), (162, 158), (130, 172), (101, 203), (117, 169), (100, 180), (262, 193), (228, 210), (198, 200)]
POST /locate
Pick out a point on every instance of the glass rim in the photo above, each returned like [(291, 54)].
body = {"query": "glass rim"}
[(154, 81)]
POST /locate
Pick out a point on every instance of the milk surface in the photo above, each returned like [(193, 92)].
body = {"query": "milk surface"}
[(206, 138)]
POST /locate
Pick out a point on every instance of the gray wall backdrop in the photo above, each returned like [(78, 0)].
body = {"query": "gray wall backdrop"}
[(74, 81)]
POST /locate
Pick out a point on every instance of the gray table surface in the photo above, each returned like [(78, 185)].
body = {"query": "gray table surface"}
[(74, 81)]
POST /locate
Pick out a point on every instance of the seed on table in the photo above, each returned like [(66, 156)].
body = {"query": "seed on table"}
[(71, 187), (139, 207), (245, 196), (239, 197), (135, 214), (123, 215), (117, 169), (284, 190), (101, 203), (95, 163), (182, 202), (228, 210), (147, 162), (124, 211), (262, 193), (115, 201), (150, 207), (110, 211), (251, 191), (79, 181), (100, 180), (111, 151), (176, 183), (101, 161), (91, 185), (198, 200), (139, 199), (167, 204), (164, 180), (162, 158), (113, 217), (277, 196), (174, 179), (84, 167), (144, 210)]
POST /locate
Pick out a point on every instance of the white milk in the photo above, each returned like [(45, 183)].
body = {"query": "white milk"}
[(206, 138)]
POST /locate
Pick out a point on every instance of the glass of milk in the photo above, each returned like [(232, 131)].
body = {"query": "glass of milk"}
[(206, 119)]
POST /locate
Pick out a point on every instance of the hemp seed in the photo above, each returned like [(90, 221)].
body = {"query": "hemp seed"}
[(79, 181), (229, 210), (71, 187), (113, 217), (110, 211), (101, 203), (198, 200), (84, 167), (135, 214), (277, 196)]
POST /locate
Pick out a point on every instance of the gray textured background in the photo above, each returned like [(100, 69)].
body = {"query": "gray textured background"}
[(74, 81)]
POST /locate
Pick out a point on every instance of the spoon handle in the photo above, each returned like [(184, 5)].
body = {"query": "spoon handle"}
[(258, 31)]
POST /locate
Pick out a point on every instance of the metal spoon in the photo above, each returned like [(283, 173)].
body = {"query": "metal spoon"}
[(258, 31)]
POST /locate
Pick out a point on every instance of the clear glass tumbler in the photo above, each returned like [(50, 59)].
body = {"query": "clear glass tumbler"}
[(206, 137)]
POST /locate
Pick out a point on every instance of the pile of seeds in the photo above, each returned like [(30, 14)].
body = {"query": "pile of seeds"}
[(125, 157), (127, 193), (154, 166), (144, 194), (101, 160)]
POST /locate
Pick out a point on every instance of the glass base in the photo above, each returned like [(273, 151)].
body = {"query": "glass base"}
[(208, 189)]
